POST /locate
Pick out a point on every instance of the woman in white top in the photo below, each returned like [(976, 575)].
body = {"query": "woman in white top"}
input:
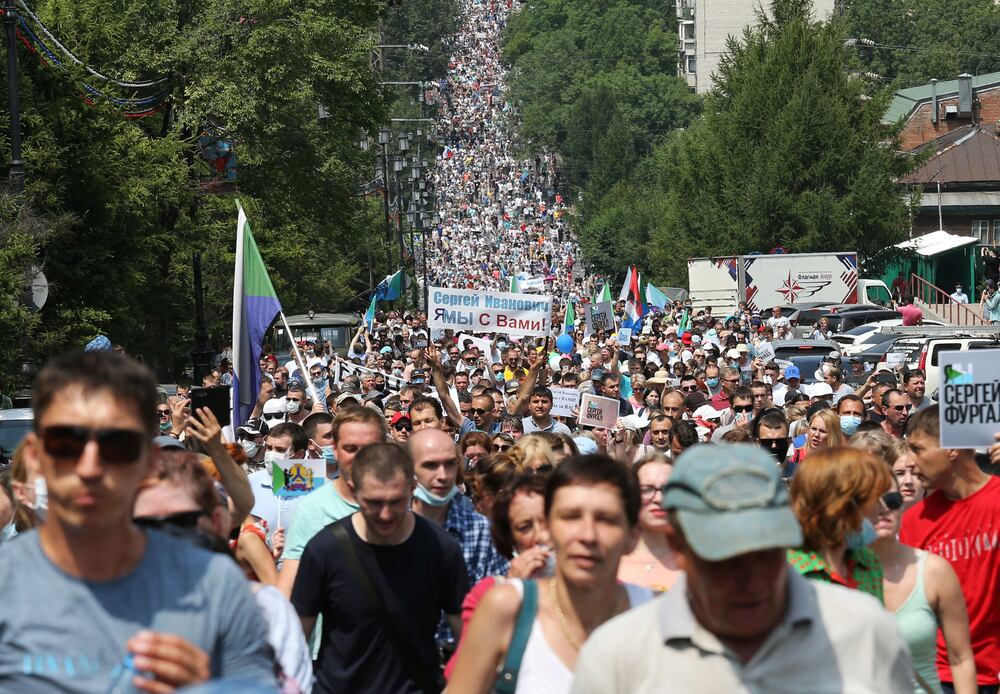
[(922, 592), (592, 512)]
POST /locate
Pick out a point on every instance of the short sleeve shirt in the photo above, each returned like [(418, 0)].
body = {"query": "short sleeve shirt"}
[(315, 512), (62, 633)]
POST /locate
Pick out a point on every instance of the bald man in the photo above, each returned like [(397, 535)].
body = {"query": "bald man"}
[(437, 498)]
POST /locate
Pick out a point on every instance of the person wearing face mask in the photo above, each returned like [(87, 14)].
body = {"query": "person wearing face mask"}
[(318, 428), (8, 506), (30, 492), (436, 498), (851, 409), (295, 402), (282, 442), (770, 432), (250, 436), (834, 496)]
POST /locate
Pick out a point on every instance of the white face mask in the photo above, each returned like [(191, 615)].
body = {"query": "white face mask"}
[(273, 457), (8, 532), (292, 406), (250, 447), (41, 503)]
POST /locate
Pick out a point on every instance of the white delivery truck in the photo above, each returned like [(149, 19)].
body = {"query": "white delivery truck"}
[(764, 281)]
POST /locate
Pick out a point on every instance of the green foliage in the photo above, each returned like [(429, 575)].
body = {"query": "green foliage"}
[(128, 195), (931, 38), (789, 152)]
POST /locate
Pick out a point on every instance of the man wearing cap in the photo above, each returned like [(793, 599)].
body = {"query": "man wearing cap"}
[(741, 618), (783, 391), (959, 297), (400, 427), (250, 436)]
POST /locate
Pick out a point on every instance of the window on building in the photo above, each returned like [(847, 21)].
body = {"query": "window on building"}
[(689, 30), (692, 65), (984, 231)]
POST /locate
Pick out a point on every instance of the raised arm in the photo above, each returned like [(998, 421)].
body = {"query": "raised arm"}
[(441, 385)]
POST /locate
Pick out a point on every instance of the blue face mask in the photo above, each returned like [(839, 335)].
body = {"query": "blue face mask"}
[(422, 493), (849, 423), (8, 532), (711, 382), (863, 537)]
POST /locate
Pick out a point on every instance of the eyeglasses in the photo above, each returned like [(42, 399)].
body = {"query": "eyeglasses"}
[(270, 417), (731, 380), (543, 469), (901, 408), (478, 410), (892, 501), (501, 447), (182, 519), (689, 389), (402, 427), (163, 413), (648, 491), (742, 409), (117, 446)]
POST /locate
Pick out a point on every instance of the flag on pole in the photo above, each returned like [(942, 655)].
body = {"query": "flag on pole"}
[(391, 287), (605, 294), (633, 319), (626, 286), (684, 323), (255, 306), (655, 297), (570, 324), (513, 284), (370, 314), (640, 307)]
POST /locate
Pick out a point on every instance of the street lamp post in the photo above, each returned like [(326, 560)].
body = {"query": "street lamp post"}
[(16, 176)]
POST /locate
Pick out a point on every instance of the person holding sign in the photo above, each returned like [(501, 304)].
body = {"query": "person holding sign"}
[(959, 520)]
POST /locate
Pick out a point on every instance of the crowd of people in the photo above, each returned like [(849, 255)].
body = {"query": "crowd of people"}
[(738, 526)]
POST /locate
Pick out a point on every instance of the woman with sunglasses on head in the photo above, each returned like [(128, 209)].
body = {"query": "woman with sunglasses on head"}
[(651, 564), (922, 592), (835, 494), (592, 514), (502, 442)]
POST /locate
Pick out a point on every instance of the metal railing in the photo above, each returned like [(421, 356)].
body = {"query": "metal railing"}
[(940, 303)]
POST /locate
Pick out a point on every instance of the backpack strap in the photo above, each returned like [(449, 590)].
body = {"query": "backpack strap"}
[(507, 679)]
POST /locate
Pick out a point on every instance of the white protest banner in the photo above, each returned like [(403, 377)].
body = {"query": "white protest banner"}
[(535, 284), (624, 336), (485, 346), (518, 315), (597, 411), (600, 316), (564, 400), (969, 398), (344, 368)]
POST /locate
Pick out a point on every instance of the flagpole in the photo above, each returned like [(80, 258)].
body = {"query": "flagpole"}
[(300, 361)]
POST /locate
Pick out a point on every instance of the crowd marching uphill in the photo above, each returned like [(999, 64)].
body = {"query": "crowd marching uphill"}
[(581, 489), (502, 216)]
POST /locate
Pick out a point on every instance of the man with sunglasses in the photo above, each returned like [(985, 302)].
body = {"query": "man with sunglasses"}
[(897, 407), (167, 611), (729, 381), (742, 413)]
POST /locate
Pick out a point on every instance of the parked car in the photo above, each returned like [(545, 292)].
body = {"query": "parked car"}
[(929, 361), (14, 426), (805, 354), (845, 320), (807, 318), (860, 338)]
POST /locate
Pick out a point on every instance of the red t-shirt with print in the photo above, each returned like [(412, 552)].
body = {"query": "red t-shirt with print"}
[(966, 532)]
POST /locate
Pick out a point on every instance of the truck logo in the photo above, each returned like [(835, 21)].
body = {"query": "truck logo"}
[(804, 286)]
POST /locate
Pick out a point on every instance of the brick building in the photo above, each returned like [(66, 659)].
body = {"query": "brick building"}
[(938, 108)]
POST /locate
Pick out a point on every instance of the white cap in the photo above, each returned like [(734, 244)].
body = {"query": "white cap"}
[(274, 406), (733, 354), (742, 347), (707, 412), (818, 389)]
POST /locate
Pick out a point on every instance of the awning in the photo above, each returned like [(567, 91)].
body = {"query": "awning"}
[(937, 242)]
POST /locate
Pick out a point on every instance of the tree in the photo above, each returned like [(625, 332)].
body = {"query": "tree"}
[(789, 152)]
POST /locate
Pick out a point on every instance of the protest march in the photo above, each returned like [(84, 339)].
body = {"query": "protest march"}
[(541, 479)]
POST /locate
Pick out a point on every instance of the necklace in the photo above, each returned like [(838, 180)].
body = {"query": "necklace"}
[(560, 617)]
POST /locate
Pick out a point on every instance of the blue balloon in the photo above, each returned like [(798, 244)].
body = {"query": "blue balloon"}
[(564, 343)]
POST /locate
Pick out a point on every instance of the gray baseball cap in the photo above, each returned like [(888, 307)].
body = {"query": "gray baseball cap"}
[(730, 500)]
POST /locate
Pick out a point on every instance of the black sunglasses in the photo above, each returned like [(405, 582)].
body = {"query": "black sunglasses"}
[(116, 445), (893, 500), (402, 427), (274, 416), (500, 447), (182, 519), (742, 409), (163, 413), (478, 410)]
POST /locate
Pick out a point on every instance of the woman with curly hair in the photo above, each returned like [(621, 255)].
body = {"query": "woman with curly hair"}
[(836, 495)]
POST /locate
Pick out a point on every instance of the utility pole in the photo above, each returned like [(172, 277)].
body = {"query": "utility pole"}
[(16, 176)]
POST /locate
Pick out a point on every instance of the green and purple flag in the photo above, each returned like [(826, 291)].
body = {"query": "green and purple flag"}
[(255, 306)]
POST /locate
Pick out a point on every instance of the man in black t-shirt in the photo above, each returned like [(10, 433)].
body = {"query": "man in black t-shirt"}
[(416, 568)]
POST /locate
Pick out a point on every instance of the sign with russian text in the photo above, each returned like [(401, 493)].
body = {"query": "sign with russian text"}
[(517, 315), (600, 316), (969, 398), (533, 284), (598, 411), (564, 400)]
